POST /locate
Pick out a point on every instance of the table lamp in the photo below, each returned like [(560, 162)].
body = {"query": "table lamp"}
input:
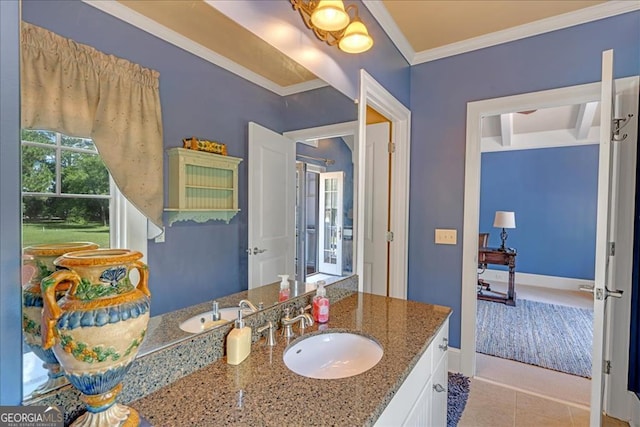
[(504, 220)]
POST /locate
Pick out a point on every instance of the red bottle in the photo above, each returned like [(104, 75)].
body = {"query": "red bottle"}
[(321, 304)]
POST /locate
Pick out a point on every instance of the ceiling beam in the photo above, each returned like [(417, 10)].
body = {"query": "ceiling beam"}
[(506, 128), (584, 121)]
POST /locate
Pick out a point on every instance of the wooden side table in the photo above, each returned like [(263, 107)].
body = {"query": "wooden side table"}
[(496, 256)]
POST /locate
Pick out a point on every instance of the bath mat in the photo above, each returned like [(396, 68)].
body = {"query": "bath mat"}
[(458, 393)]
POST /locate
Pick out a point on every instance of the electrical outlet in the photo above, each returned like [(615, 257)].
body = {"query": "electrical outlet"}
[(446, 236)]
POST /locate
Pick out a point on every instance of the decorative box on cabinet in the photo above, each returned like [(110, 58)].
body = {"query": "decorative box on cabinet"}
[(202, 186)]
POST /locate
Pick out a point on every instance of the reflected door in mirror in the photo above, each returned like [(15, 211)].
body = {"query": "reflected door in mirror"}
[(330, 227)]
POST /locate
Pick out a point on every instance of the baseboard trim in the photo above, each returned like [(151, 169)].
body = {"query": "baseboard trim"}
[(634, 406), (453, 359), (553, 282)]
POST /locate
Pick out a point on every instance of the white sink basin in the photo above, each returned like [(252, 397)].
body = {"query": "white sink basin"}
[(195, 324), (332, 355)]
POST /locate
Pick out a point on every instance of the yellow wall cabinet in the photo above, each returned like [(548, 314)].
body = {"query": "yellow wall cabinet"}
[(202, 186)]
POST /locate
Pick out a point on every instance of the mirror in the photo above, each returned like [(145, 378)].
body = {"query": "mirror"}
[(197, 262)]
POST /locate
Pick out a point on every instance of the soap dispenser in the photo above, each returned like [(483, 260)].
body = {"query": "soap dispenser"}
[(238, 342), (285, 291), (216, 320), (321, 304)]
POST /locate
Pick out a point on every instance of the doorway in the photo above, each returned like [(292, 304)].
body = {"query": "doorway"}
[(324, 200), (324, 206), (374, 95), (616, 403), (535, 166)]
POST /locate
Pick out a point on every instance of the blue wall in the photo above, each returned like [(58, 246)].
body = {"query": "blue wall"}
[(440, 91), (553, 192)]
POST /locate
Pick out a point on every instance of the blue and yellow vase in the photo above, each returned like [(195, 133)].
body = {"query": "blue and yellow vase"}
[(37, 263), (96, 329)]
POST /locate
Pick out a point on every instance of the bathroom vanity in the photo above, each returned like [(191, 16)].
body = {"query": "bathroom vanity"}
[(182, 378), (407, 386)]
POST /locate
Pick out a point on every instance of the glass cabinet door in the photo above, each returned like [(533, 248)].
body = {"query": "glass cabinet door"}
[(330, 224)]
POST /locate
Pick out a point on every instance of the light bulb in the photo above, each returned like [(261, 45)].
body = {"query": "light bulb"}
[(330, 15), (356, 38)]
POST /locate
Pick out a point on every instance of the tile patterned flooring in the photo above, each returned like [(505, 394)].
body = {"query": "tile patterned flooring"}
[(512, 394), (492, 405)]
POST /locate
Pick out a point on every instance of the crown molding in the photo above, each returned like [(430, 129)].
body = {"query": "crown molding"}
[(582, 16), (150, 26), (381, 14)]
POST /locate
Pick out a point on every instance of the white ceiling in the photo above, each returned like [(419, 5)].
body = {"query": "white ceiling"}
[(550, 127)]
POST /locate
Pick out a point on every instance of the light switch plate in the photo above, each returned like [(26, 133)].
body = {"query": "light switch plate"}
[(446, 236)]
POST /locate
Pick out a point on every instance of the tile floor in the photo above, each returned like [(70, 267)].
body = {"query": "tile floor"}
[(507, 393), (492, 405)]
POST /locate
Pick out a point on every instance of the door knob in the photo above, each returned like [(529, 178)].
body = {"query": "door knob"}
[(439, 388), (257, 251), (600, 294), (615, 294)]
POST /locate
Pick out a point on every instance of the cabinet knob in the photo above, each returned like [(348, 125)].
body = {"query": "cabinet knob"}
[(439, 388)]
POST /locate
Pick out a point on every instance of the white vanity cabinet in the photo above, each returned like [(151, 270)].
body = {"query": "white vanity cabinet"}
[(422, 398), (202, 186)]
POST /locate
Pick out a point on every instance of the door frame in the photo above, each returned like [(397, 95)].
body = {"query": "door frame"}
[(373, 94), (346, 130), (339, 176), (617, 399)]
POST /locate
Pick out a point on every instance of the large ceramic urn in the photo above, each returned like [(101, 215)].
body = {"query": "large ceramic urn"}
[(95, 330), (37, 263)]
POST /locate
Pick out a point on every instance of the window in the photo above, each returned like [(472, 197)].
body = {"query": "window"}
[(68, 195)]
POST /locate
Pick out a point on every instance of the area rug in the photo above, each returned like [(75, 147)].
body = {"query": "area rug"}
[(458, 393), (551, 336)]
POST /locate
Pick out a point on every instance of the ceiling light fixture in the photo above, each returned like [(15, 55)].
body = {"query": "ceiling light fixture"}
[(331, 23)]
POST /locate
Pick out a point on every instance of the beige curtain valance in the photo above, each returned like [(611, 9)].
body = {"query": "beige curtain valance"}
[(76, 90)]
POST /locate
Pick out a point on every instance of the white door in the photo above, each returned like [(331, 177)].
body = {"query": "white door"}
[(330, 216), (376, 217), (604, 230), (272, 192)]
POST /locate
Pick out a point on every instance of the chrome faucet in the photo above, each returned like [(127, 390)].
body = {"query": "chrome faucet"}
[(271, 335), (309, 318), (287, 321), (245, 303), (215, 312)]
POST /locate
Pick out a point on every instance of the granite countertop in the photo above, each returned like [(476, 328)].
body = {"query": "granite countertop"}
[(263, 391)]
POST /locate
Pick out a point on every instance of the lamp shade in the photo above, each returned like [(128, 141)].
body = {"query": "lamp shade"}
[(356, 38), (329, 15), (504, 219)]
